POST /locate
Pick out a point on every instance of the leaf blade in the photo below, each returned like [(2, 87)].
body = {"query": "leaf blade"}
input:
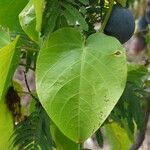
[(8, 59), (71, 78)]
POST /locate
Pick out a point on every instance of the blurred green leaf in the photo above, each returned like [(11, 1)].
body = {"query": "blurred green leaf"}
[(27, 20), (39, 9), (117, 137), (136, 72), (9, 11), (9, 56), (4, 38)]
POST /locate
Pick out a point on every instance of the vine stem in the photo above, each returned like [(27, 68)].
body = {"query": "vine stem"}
[(111, 3)]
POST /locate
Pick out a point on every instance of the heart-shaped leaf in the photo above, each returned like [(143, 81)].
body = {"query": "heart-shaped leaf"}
[(79, 81)]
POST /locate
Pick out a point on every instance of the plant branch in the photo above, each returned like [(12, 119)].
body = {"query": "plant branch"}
[(111, 3), (27, 85)]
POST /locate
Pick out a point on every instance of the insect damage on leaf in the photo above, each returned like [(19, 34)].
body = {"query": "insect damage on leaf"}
[(117, 53)]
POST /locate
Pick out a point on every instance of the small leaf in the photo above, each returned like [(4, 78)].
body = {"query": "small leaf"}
[(79, 82)]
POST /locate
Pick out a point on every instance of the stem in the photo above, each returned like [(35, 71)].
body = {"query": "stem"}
[(111, 3), (27, 85)]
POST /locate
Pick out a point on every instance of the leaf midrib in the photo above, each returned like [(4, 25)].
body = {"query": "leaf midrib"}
[(83, 55)]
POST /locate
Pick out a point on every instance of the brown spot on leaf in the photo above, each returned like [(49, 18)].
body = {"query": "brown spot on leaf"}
[(117, 53)]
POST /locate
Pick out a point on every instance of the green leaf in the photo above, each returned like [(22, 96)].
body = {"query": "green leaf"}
[(122, 2), (8, 59), (9, 11), (117, 137), (136, 72), (39, 8), (27, 20), (79, 82), (61, 141)]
